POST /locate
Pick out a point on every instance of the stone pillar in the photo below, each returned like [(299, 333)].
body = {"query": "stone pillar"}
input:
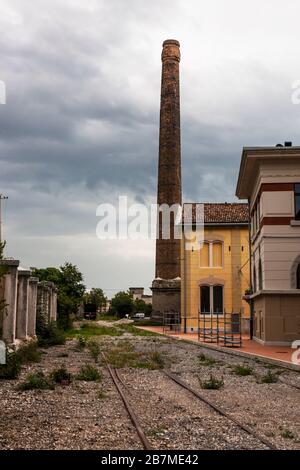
[(22, 303), (166, 292), (54, 305), (42, 306), (32, 307), (50, 289), (9, 283)]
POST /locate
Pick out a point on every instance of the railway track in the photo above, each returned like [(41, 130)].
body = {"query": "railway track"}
[(219, 410), (131, 413), (122, 387)]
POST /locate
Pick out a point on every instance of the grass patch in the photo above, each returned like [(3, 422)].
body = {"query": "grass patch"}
[(36, 381), (124, 356), (94, 349), (242, 370), (269, 378), (212, 384), (151, 361), (87, 330), (207, 360), (89, 373), (130, 328), (61, 376), (287, 434)]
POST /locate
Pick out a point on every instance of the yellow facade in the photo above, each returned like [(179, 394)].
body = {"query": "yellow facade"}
[(215, 273)]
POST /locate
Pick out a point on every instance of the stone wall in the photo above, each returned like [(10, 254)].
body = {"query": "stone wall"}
[(25, 301)]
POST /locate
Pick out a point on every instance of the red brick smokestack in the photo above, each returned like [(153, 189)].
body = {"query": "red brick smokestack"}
[(169, 165)]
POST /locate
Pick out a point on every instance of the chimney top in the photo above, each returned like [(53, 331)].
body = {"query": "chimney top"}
[(171, 50), (174, 42)]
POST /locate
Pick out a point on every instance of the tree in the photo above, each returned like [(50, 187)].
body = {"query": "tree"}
[(69, 282), (140, 305), (122, 304), (95, 296)]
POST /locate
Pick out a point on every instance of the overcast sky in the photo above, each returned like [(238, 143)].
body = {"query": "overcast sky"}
[(80, 126)]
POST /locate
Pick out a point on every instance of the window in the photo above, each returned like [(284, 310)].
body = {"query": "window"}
[(211, 299), (205, 299), (260, 280), (204, 255), (297, 201), (211, 255), (217, 261), (218, 299), (298, 276)]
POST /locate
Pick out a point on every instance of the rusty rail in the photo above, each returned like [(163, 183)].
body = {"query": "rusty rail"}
[(116, 379), (222, 412)]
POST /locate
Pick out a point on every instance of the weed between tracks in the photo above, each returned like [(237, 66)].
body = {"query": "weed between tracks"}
[(124, 355), (212, 384)]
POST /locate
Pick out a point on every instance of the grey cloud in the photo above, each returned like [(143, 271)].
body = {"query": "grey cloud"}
[(81, 122)]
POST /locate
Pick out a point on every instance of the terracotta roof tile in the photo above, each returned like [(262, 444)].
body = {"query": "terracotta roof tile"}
[(218, 213)]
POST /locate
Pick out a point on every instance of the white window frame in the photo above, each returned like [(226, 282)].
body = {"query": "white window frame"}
[(211, 299)]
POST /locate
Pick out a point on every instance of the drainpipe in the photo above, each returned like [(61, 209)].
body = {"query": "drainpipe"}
[(184, 283), (251, 283)]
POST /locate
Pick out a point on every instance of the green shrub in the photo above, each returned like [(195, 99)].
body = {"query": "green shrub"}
[(36, 381), (89, 373), (61, 376), (242, 370), (212, 383), (269, 378), (157, 359), (29, 353), (287, 434), (94, 349), (11, 370), (51, 335), (81, 343)]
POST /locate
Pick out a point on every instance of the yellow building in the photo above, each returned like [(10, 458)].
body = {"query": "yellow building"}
[(215, 265)]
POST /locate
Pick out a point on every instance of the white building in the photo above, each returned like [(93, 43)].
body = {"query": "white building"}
[(270, 179)]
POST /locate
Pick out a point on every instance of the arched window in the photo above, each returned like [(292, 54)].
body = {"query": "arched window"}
[(260, 278), (204, 255), (217, 250), (212, 299), (298, 276), (218, 299), (205, 299)]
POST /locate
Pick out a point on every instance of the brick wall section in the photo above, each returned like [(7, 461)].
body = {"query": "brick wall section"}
[(169, 165)]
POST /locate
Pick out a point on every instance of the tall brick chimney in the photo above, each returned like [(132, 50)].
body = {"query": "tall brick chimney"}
[(166, 286)]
